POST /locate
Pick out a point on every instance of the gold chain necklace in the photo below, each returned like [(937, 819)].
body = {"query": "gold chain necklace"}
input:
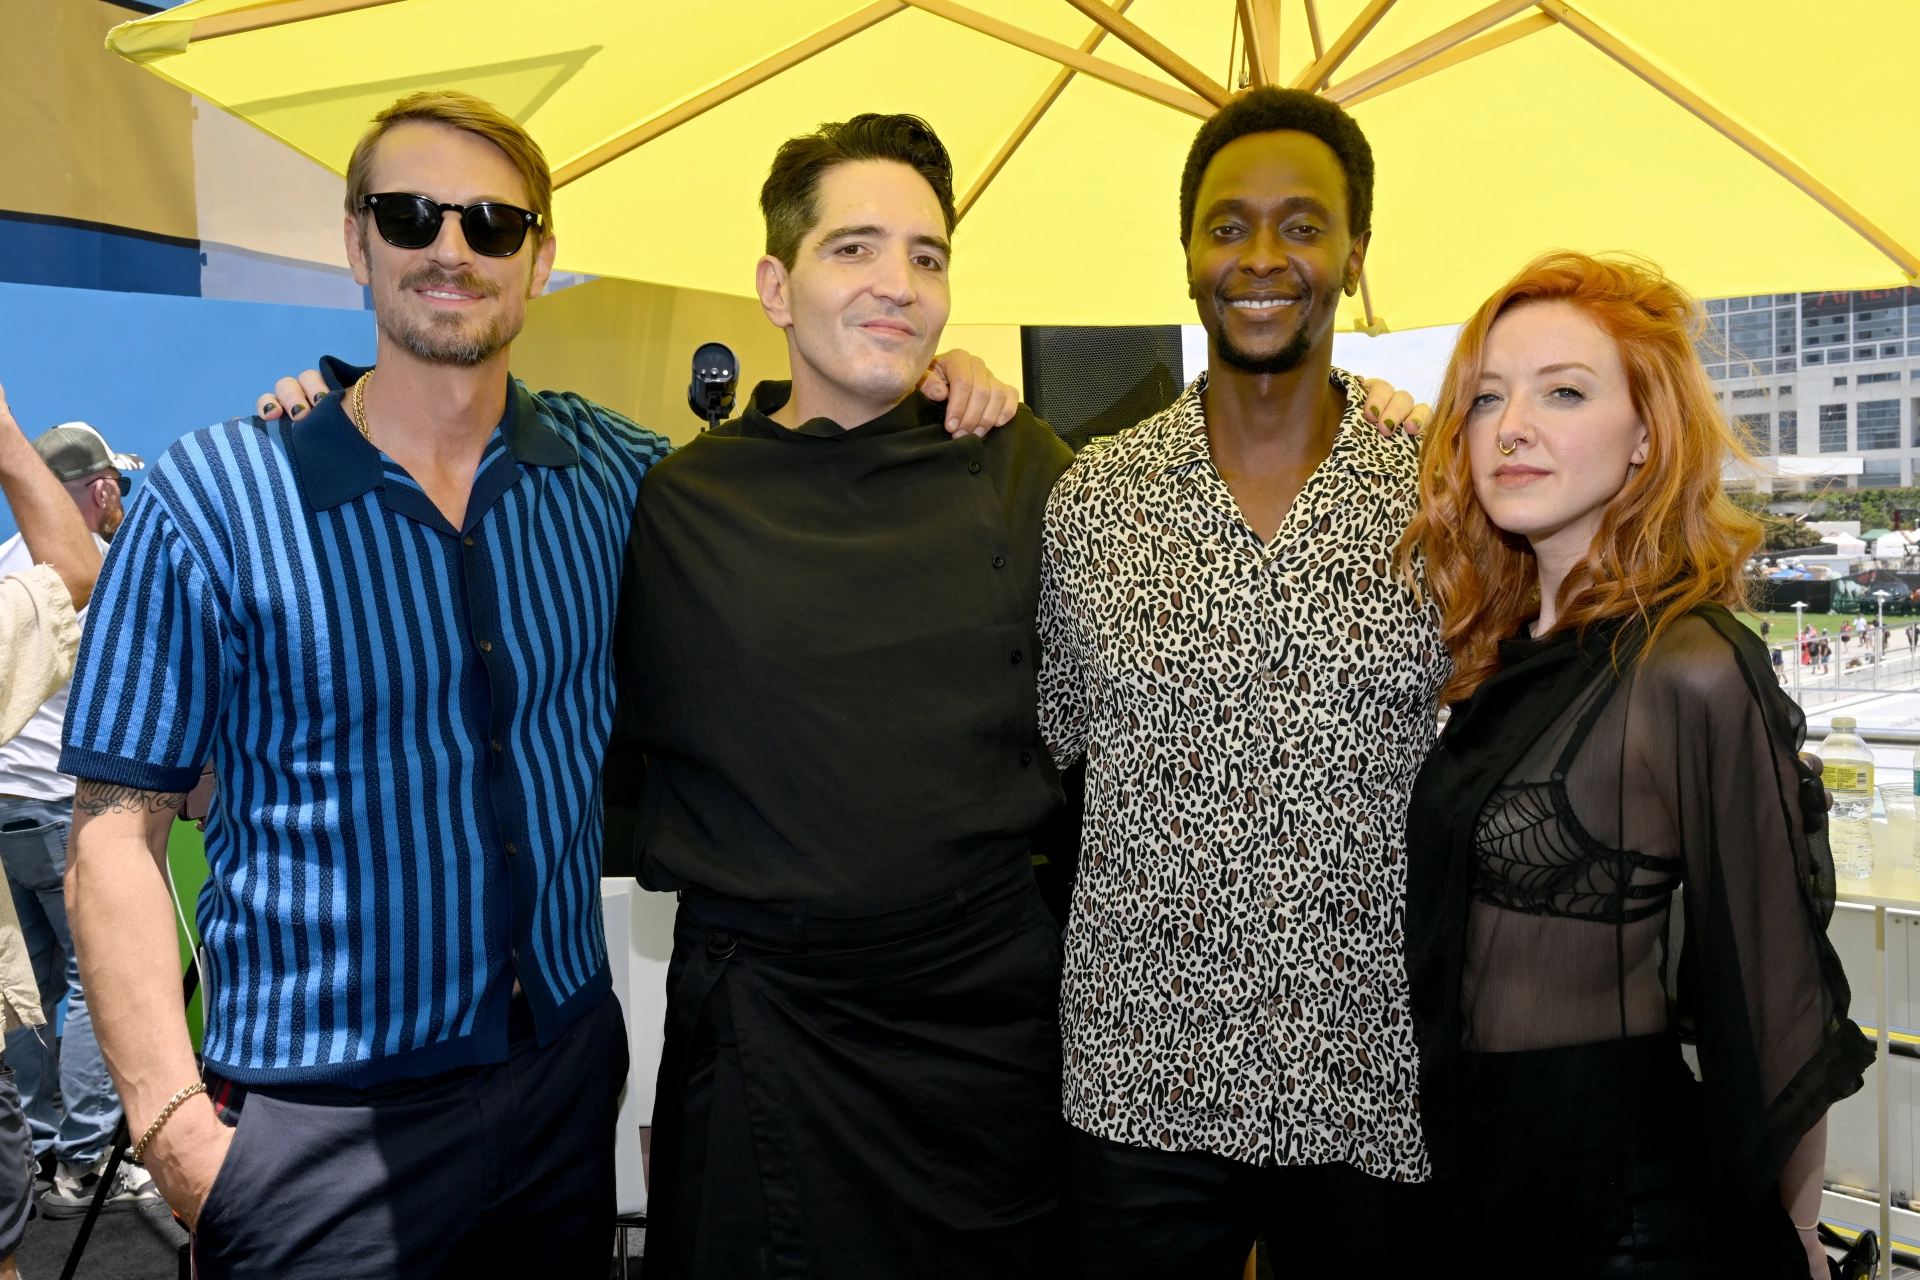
[(358, 403)]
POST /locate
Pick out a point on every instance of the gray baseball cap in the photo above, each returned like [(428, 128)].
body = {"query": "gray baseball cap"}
[(74, 450)]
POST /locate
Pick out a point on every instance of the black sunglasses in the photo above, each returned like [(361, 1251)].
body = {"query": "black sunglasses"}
[(120, 482), (493, 230)]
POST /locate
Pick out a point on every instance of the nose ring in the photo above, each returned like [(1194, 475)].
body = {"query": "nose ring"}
[(1508, 448)]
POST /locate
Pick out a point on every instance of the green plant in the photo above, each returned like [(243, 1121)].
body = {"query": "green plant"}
[(1784, 533), (1873, 508)]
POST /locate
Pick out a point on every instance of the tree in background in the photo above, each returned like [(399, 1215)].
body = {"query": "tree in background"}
[(1873, 508), (1783, 532)]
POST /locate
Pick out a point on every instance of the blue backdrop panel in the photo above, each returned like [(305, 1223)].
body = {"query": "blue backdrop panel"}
[(147, 369), (81, 255)]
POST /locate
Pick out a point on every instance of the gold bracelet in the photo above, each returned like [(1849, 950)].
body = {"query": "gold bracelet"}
[(173, 1104)]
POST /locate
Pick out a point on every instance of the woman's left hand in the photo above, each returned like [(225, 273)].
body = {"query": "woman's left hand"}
[(1815, 799)]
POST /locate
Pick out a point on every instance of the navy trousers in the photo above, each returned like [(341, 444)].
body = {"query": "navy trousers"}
[(501, 1170)]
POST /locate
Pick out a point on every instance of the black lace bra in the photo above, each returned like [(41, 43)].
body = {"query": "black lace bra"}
[(1533, 855)]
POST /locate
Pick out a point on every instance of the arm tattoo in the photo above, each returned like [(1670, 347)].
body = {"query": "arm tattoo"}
[(96, 798)]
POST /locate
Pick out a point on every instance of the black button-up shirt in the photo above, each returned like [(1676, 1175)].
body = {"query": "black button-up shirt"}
[(823, 653)]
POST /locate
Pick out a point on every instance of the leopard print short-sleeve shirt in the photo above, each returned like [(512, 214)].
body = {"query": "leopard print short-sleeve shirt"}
[(1252, 718)]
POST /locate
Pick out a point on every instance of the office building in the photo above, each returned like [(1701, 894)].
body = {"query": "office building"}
[(1819, 380)]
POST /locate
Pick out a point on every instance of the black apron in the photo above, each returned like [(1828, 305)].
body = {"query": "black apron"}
[(867, 1097)]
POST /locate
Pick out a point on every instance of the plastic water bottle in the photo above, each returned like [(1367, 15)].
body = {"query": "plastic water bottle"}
[(1849, 778)]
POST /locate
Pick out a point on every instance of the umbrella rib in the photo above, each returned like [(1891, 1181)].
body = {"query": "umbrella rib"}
[(1257, 17), (1343, 45), (267, 16), (701, 103), (1374, 326), (1734, 131), (1313, 29), (1029, 121), (1465, 51), (1142, 43), (1067, 56), (1432, 47)]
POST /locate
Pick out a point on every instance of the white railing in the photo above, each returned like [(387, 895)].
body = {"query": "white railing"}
[(1879, 659)]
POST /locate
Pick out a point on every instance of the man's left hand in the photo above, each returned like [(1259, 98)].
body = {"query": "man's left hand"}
[(1390, 411), (977, 402)]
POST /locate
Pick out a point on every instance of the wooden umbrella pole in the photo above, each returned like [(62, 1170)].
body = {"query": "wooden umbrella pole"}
[(1343, 45), (1141, 42), (1027, 123), (1432, 47), (1259, 22), (1067, 56), (1733, 130), (1313, 30), (1463, 52), (264, 17), (727, 90)]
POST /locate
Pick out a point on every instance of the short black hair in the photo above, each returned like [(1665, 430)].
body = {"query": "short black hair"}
[(787, 196), (1269, 110)]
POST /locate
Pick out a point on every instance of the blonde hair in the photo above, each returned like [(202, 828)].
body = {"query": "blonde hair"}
[(1669, 540), (463, 111)]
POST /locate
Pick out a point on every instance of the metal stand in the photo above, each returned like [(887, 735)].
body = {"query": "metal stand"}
[(121, 1141), (1885, 1083), (1800, 653), (622, 1226)]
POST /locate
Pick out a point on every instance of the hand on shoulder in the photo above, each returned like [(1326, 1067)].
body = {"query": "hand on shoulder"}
[(1391, 410)]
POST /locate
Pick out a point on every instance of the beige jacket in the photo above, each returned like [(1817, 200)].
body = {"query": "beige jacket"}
[(39, 637)]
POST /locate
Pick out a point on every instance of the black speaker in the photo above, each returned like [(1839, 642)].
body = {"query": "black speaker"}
[(1093, 381)]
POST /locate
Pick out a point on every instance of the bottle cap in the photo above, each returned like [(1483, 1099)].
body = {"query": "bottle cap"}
[(1844, 724)]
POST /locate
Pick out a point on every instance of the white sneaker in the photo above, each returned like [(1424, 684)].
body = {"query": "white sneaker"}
[(74, 1185)]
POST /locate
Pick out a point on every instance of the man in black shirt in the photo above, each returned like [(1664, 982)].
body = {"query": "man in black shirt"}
[(827, 653)]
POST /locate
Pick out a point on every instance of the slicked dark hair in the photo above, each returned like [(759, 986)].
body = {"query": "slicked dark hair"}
[(787, 196), (1270, 110)]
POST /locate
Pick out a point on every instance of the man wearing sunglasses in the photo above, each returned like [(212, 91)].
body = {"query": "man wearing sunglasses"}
[(387, 622), (386, 625), (71, 1108)]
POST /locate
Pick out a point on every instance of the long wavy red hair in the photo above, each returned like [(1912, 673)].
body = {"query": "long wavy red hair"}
[(1669, 540)]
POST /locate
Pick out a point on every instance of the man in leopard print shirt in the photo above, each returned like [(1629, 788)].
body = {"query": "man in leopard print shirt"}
[(1253, 691)]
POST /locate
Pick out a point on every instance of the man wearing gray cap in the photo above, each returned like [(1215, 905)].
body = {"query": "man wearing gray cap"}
[(69, 1099), (93, 474)]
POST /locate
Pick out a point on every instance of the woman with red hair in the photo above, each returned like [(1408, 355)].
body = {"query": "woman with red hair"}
[(1615, 735)]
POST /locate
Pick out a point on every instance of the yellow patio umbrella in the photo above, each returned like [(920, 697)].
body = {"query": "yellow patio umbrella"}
[(1747, 145)]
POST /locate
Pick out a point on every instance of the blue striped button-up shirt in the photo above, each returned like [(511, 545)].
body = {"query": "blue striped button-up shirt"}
[(407, 720)]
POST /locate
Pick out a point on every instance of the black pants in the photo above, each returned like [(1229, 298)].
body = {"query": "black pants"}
[(504, 1170), (1144, 1214), (1590, 1162), (844, 1100)]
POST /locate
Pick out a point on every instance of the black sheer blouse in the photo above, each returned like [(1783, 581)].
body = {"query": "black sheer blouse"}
[(1563, 804)]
